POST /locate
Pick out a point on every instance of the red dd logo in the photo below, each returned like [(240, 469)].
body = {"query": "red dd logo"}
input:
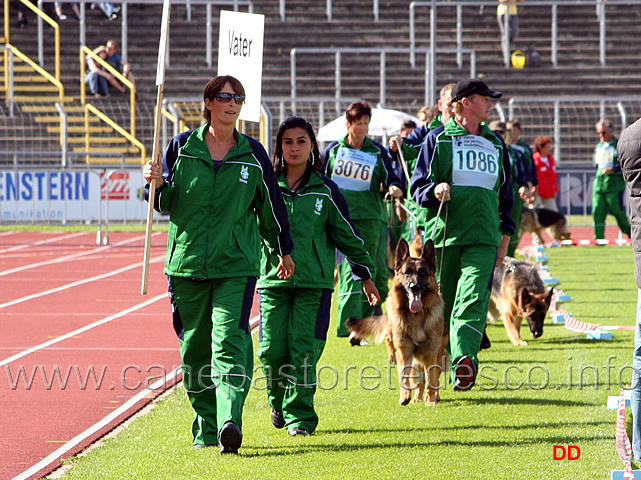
[(560, 452)]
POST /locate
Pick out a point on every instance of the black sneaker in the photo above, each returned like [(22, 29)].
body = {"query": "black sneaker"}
[(465, 373), (298, 431), (277, 418), (230, 438)]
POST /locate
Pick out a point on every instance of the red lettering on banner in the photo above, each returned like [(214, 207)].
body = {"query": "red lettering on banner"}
[(115, 186)]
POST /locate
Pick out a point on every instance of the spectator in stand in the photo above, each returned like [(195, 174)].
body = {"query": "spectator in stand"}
[(508, 7), (115, 60), (608, 186), (22, 13), (110, 11), (62, 16), (97, 78), (545, 173)]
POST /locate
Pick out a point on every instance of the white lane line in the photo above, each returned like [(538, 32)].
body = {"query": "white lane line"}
[(95, 427), (105, 349), (75, 284), (42, 242), (67, 257), (108, 319)]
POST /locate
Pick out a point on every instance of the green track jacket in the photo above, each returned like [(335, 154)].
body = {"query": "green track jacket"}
[(320, 223), (605, 155), (218, 216), (480, 208)]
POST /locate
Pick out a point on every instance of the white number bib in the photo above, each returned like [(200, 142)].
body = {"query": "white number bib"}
[(604, 157), (353, 169), (475, 162)]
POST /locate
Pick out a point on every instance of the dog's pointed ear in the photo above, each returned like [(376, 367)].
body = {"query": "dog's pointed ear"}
[(548, 297), (429, 252), (402, 251), (525, 297)]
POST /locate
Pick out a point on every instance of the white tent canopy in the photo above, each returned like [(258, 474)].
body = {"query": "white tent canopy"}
[(384, 123)]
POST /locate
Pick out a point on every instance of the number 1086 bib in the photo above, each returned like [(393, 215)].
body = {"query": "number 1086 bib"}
[(475, 162)]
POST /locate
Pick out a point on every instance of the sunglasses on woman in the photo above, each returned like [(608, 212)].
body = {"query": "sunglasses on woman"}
[(226, 97)]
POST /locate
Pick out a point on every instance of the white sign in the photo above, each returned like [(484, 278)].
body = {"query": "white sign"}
[(240, 54), (71, 195)]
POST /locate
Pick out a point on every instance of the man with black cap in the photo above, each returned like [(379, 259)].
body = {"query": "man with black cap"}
[(464, 164)]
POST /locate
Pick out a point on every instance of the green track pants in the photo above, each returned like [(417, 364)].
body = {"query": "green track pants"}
[(293, 331), (215, 348), (612, 202), (467, 271), (351, 299)]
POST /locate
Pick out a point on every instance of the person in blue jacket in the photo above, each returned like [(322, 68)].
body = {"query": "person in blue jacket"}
[(223, 200), (294, 311)]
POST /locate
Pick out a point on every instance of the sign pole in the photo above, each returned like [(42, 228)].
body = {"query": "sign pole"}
[(160, 82)]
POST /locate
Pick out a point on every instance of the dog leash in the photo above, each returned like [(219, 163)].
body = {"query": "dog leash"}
[(438, 215)]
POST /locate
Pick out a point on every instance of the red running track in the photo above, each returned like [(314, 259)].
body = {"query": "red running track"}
[(81, 349)]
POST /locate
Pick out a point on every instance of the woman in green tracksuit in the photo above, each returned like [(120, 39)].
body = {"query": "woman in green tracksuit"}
[(295, 311), (363, 171), (220, 190)]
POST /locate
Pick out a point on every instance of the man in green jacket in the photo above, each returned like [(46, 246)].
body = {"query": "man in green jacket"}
[(608, 185), (466, 165)]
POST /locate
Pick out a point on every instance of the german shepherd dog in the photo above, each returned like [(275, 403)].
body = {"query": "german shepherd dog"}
[(517, 293), (413, 327), (535, 220)]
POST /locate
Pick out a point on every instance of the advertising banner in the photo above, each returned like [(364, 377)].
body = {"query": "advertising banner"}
[(40, 196)]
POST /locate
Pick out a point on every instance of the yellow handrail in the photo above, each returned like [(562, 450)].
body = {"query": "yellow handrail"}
[(182, 125), (84, 51), (55, 81), (90, 108)]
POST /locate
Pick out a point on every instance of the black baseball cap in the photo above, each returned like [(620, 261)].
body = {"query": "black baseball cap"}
[(471, 86)]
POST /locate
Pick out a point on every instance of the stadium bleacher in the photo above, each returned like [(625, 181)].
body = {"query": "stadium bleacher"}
[(578, 73)]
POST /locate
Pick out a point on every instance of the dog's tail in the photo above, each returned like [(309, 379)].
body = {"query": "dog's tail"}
[(374, 327)]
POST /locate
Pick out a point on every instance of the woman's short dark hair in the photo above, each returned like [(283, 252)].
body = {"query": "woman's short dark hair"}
[(315, 162), (357, 110), (215, 86)]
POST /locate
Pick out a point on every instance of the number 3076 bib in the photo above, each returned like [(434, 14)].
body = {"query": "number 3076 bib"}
[(353, 169), (475, 162)]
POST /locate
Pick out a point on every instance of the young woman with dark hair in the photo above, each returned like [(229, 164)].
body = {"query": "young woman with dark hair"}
[(295, 311)]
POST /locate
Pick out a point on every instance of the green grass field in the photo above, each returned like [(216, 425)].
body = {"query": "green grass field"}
[(528, 399)]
